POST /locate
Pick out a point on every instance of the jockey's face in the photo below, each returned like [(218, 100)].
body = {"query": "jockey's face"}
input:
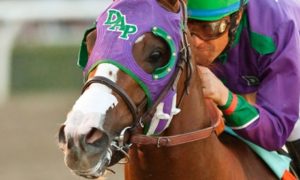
[(209, 38)]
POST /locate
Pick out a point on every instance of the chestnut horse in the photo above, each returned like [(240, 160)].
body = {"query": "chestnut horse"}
[(108, 120)]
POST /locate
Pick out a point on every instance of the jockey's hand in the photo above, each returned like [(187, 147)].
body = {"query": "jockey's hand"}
[(212, 86)]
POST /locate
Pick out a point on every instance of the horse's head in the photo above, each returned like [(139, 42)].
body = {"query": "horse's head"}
[(132, 53)]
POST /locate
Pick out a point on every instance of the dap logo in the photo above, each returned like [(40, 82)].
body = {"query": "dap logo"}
[(116, 21)]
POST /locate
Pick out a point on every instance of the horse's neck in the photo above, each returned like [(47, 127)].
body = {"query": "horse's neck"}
[(150, 162), (194, 114)]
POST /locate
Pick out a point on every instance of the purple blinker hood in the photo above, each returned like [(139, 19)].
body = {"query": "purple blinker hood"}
[(122, 23)]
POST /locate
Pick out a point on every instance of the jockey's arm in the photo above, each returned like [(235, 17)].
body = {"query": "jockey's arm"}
[(268, 116)]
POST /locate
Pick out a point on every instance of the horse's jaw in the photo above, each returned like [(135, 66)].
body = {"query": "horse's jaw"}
[(86, 164)]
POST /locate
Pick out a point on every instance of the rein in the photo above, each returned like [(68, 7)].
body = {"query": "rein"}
[(217, 126)]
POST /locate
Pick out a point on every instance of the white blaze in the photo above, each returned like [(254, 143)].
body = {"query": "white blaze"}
[(89, 110)]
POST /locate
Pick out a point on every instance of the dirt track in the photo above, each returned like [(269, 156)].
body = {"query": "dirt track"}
[(28, 126)]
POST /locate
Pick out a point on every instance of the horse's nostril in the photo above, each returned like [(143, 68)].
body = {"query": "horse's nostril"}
[(93, 136), (61, 135), (62, 138)]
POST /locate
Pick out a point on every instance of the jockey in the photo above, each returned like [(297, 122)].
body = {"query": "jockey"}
[(252, 49)]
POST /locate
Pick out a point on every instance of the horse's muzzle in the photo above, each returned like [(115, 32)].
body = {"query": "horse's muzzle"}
[(87, 155)]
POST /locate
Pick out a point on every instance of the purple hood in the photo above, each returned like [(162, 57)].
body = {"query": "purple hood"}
[(118, 28)]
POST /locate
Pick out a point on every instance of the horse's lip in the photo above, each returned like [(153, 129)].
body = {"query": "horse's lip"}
[(92, 173), (96, 171)]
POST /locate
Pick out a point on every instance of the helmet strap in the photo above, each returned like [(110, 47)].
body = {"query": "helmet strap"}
[(233, 26)]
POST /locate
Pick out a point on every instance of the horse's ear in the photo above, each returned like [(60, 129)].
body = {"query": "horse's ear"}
[(171, 5)]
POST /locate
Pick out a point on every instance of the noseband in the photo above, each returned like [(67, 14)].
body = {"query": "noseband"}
[(135, 111)]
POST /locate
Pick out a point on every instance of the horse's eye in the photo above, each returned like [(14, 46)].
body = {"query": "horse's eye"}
[(155, 56)]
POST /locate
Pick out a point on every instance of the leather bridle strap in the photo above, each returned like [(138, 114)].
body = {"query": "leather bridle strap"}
[(109, 83), (167, 141), (183, 61)]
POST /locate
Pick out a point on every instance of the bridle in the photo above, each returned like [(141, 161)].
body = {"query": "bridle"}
[(121, 143)]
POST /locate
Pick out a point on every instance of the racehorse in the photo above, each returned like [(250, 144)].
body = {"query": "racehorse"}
[(143, 101)]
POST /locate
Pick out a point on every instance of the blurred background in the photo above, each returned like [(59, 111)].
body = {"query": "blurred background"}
[(39, 82)]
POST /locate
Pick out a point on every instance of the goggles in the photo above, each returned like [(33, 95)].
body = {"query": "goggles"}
[(208, 30)]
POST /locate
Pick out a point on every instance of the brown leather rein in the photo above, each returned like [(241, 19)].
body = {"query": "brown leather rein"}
[(217, 126)]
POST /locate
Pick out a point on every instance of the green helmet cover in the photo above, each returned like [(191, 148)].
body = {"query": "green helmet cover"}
[(212, 10)]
